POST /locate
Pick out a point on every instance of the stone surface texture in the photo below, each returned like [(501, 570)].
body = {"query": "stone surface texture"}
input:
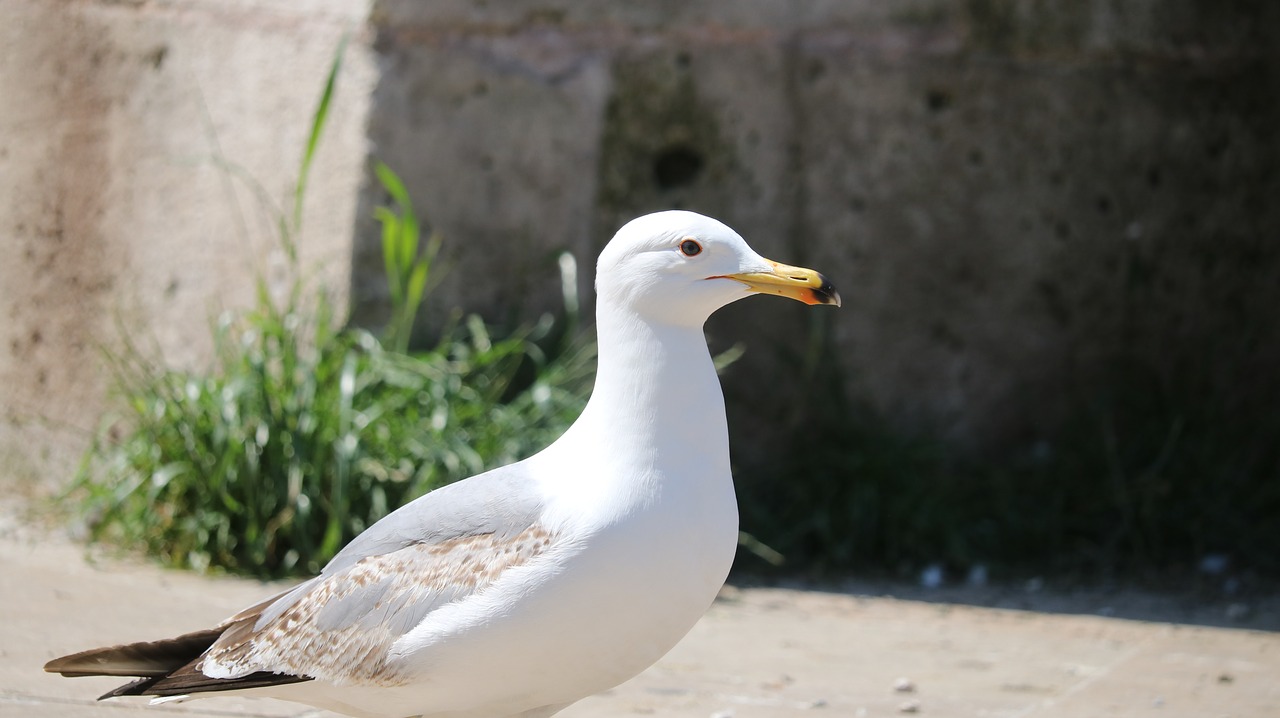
[(1019, 200), (147, 148)]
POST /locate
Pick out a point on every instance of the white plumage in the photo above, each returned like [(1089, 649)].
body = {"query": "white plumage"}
[(522, 590)]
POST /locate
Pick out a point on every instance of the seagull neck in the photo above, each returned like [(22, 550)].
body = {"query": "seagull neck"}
[(656, 390)]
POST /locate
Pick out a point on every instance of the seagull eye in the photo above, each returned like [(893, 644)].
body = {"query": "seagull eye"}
[(690, 248)]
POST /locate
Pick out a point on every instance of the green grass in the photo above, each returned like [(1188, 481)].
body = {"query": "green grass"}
[(303, 432), (299, 437)]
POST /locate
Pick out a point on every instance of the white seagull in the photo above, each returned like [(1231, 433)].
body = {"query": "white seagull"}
[(524, 589)]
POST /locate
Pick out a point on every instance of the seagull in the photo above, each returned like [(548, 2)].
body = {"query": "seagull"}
[(521, 590)]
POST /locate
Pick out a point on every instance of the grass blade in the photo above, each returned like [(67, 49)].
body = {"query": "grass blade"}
[(318, 120)]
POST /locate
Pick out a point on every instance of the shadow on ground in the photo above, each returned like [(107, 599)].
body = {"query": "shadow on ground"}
[(1217, 602)]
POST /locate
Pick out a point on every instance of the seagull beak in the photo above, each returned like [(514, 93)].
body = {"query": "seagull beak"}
[(798, 283)]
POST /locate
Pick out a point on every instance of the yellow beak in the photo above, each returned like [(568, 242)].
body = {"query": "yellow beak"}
[(798, 283)]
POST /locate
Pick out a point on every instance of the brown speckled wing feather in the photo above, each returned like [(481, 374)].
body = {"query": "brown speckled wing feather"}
[(342, 629), (340, 625)]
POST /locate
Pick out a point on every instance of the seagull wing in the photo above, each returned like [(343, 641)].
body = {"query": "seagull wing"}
[(340, 625)]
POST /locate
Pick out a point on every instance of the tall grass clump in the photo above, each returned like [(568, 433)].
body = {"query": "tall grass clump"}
[(302, 432)]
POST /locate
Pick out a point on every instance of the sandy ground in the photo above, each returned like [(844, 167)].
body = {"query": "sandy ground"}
[(759, 652)]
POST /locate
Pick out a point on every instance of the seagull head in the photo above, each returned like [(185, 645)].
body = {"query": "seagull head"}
[(679, 267)]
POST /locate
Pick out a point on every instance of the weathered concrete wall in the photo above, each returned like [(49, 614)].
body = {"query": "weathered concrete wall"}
[(114, 120), (1012, 195)]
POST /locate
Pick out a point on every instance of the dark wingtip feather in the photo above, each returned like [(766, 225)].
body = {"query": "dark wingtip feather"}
[(147, 659), (163, 668), (134, 688), (195, 682)]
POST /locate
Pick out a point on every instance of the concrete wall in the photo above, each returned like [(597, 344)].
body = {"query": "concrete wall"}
[(115, 119), (1014, 197)]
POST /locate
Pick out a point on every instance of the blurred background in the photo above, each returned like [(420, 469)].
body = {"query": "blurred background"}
[(1054, 227)]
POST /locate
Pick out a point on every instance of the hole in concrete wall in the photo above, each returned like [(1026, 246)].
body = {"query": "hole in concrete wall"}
[(944, 335), (1217, 146), (937, 100), (815, 70), (157, 56), (1055, 303), (677, 166)]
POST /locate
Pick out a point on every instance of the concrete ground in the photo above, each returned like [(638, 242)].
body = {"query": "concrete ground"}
[(759, 653)]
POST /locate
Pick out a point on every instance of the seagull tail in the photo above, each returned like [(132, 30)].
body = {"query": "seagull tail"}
[(147, 659), (163, 668)]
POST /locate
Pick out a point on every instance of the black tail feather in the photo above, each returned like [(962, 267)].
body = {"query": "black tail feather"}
[(145, 659), (196, 682), (164, 668), (134, 688)]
